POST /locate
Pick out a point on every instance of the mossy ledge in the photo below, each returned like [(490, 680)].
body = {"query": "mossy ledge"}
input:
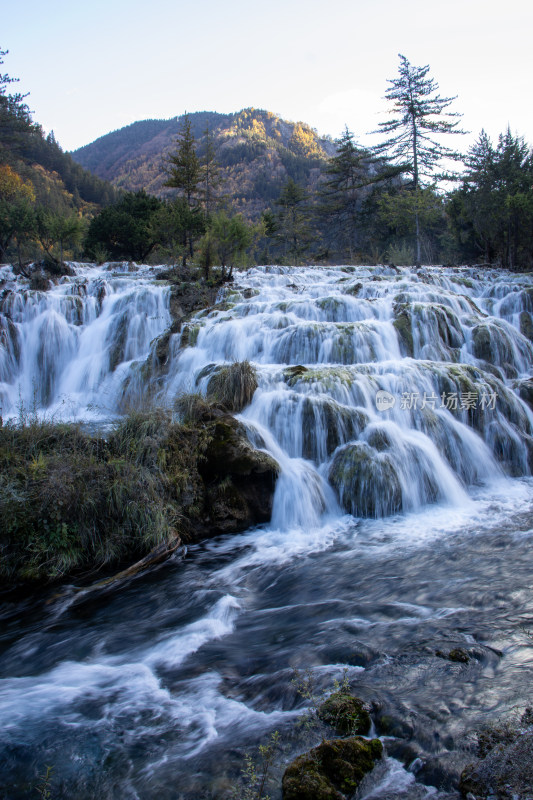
[(331, 771), (77, 505), (345, 713)]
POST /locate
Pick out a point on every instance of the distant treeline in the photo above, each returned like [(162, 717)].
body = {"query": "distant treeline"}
[(258, 189)]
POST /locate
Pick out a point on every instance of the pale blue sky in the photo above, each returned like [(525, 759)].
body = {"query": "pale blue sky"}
[(95, 66)]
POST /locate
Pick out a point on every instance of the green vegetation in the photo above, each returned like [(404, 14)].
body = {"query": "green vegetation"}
[(73, 502), (419, 116), (332, 770), (45, 196), (492, 214), (255, 775), (125, 230), (227, 190), (233, 386)]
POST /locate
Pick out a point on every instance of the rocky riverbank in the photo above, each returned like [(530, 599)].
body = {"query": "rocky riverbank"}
[(75, 504)]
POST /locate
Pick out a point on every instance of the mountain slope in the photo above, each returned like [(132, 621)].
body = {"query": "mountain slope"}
[(256, 150)]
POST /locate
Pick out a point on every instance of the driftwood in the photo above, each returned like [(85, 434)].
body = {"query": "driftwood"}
[(155, 556)]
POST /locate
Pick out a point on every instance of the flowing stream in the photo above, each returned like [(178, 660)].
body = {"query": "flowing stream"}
[(402, 527)]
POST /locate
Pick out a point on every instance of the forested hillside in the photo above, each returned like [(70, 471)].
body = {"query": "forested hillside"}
[(256, 151), (45, 196)]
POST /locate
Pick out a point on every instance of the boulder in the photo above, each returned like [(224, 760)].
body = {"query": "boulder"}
[(365, 481), (404, 328), (345, 713), (331, 771), (526, 325), (240, 480), (505, 773)]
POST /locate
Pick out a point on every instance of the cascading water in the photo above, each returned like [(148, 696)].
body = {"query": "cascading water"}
[(70, 352), (325, 342), (391, 399)]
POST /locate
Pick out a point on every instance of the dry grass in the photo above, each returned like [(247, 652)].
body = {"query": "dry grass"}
[(233, 386), (71, 501)]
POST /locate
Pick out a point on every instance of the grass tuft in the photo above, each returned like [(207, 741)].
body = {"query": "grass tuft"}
[(233, 386)]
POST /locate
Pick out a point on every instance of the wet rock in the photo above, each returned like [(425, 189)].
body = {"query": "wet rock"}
[(345, 713), (493, 343), (525, 390), (161, 349), (482, 343), (505, 773), (396, 725), (326, 425), (239, 479), (365, 481), (291, 374), (442, 770), (354, 290), (404, 328), (458, 655), (189, 335), (331, 771), (526, 325), (187, 297)]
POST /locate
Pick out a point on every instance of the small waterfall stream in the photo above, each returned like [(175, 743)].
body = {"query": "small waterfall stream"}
[(392, 401)]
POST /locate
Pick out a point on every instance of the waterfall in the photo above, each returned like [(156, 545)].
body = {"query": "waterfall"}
[(446, 352), (72, 351)]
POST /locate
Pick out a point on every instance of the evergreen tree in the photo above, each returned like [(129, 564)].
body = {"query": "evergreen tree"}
[(492, 213), (340, 194), (173, 224), (419, 114), (56, 231), (15, 119), (291, 223), (186, 174), (210, 174), (125, 230), (228, 238), (184, 168)]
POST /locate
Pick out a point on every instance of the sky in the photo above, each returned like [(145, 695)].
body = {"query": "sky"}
[(95, 66)]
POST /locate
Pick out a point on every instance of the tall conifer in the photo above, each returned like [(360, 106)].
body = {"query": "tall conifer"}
[(419, 114)]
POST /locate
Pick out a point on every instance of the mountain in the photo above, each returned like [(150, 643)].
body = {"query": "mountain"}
[(257, 152), (57, 181)]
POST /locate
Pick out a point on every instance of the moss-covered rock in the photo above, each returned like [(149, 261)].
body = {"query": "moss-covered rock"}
[(73, 502), (505, 773), (354, 290), (189, 335), (526, 325), (240, 480), (365, 481), (345, 713), (482, 343), (404, 328), (326, 425), (331, 771), (458, 655), (525, 390), (233, 385)]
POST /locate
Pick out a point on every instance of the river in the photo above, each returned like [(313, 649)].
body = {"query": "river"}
[(401, 529)]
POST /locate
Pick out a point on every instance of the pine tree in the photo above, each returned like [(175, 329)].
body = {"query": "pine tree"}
[(345, 176), (291, 223), (419, 114), (186, 174), (184, 169), (210, 173), (15, 119)]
